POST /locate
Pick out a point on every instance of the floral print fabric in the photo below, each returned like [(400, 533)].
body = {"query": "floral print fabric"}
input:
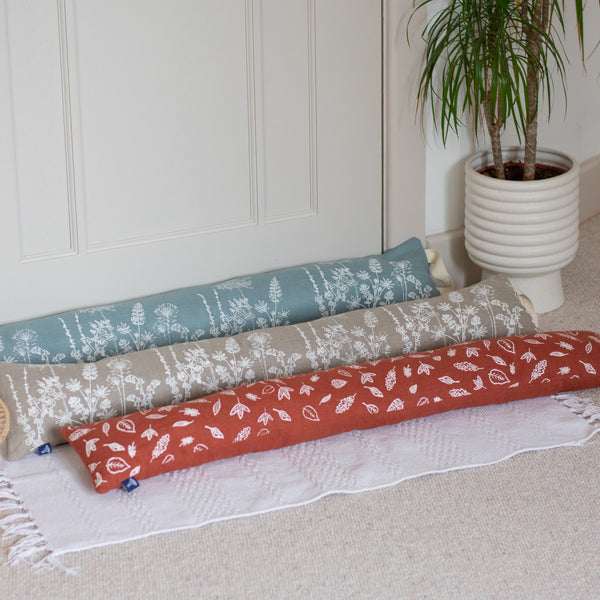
[(273, 299), (272, 414), (44, 398)]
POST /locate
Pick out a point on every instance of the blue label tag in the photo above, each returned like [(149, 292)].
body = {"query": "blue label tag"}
[(130, 484), (43, 449)]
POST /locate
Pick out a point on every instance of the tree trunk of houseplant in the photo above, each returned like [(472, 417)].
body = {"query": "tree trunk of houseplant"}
[(527, 230)]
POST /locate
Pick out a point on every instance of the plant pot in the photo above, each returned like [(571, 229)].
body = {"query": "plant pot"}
[(527, 230)]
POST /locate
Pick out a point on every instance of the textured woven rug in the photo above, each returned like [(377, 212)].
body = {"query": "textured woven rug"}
[(48, 507)]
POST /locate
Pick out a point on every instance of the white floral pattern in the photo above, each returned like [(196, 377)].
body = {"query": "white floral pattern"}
[(283, 297), (46, 397), (265, 415)]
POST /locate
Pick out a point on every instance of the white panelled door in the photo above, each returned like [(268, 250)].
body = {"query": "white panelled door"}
[(149, 145)]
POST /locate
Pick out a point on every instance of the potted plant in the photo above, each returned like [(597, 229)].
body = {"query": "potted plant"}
[(492, 60)]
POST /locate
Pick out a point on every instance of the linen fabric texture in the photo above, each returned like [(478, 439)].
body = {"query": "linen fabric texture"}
[(281, 297), (44, 398), (266, 415)]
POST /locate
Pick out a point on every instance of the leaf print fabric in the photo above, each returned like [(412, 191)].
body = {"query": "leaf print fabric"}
[(317, 406), (44, 398), (282, 297)]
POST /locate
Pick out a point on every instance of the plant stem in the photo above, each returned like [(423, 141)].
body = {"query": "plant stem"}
[(539, 14), (494, 127)]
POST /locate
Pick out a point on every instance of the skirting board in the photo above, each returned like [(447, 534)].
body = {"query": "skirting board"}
[(589, 188), (451, 244)]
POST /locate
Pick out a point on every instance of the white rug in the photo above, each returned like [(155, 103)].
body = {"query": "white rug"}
[(48, 506)]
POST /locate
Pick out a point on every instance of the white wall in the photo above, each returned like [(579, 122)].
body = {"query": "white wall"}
[(578, 133)]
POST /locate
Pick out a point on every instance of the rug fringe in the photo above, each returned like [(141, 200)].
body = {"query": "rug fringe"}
[(581, 406), (29, 545)]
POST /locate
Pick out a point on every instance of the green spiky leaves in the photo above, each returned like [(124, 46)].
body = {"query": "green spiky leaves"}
[(492, 60)]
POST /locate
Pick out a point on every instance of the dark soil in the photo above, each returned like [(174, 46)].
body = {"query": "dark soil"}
[(514, 171)]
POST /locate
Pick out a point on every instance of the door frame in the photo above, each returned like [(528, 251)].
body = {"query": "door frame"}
[(404, 150)]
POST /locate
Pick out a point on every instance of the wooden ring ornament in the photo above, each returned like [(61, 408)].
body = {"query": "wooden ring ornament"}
[(4, 421)]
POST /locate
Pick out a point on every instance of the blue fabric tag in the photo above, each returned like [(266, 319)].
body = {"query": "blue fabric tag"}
[(130, 484), (43, 449)]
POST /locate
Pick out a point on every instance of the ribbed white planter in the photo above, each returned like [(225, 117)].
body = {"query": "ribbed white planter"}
[(527, 230)]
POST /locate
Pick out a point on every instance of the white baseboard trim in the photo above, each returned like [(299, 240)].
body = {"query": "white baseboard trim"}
[(451, 244), (589, 188)]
